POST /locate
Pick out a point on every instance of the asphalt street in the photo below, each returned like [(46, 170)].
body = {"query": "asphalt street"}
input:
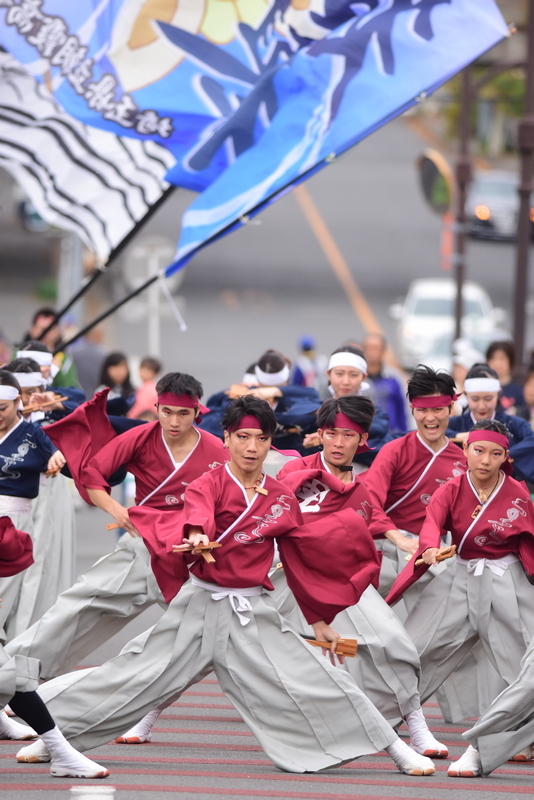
[(201, 748)]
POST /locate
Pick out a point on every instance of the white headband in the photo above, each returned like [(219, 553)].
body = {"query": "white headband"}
[(42, 358), (481, 385), (272, 378), (28, 379), (346, 359), (8, 393)]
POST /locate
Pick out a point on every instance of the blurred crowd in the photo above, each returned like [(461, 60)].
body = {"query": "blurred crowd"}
[(302, 384)]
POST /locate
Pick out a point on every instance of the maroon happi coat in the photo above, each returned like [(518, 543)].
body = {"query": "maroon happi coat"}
[(402, 479), (159, 481), (320, 493), (16, 549), (327, 562), (504, 526)]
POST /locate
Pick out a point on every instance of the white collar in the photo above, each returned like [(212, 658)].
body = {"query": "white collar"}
[(233, 477), (430, 450)]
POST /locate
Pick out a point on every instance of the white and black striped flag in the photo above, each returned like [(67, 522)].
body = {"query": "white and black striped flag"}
[(79, 178)]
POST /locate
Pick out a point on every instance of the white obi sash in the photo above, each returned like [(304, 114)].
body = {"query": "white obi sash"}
[(237, 597)]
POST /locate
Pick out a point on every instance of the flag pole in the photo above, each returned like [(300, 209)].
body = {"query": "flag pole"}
[(103, 268), (107, 313)]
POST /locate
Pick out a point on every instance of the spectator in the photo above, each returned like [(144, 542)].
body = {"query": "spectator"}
[(500, 356), (66, 375), (388, 384), (146, 396), (5, 349), (526, 411), (115, 375), (88, 356), (310, 368), (464, 356)]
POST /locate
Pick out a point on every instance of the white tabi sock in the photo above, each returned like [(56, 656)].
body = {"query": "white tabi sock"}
[(34, 753), (408, 761), (68, 762), (523, 755), (421, 739), (10, 729), (142, 732), (467, 766)]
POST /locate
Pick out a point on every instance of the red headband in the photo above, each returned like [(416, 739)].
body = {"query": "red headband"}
[(342, 421), (181, 401), (247, 421), (488, 436), (434, 401)]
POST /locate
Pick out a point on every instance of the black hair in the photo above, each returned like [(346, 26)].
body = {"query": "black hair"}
[(8, 379), (425, 381), (45, 311), (492, 425), (151, 363), (507, 347), (359, 409), (250, 369), (248, 404), (33, 344), (179, 383), (481, 371), (348, 348), (23, 365), (272, 361), (113, 360)]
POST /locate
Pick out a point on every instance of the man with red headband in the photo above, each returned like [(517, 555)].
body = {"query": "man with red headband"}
[(485, 596), (407, 471), (305, 713), (165, 456), (387, 668)]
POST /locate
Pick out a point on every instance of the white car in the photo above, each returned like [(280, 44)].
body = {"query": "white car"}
[(492, 205), (428, 313)]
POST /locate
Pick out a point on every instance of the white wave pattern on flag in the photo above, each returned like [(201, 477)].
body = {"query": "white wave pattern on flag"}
[(78, 178)]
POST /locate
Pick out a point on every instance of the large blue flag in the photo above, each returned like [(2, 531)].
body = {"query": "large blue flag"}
[(250, 96)]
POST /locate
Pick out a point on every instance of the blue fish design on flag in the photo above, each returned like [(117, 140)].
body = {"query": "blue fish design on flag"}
[(252, 104)]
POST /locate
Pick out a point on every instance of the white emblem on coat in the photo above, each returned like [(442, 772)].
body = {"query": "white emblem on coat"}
[(16, 458), (310, 496), (277, 509), (498, 526)]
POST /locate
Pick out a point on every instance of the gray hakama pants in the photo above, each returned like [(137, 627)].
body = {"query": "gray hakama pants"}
[(17, 674), (475, 682), (306, 714), (460, 608), (102, 601), (53, 537), (386, 667), (508, 725), (10, 588)]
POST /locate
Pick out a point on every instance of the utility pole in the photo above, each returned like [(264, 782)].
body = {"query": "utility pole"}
[(463, 178), (526, 148)]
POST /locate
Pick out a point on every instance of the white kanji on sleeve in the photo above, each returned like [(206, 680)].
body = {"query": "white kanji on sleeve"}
[(25, 15), (100, 95), (149, 122), (69, 55), (122, 111), (51, 35)]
